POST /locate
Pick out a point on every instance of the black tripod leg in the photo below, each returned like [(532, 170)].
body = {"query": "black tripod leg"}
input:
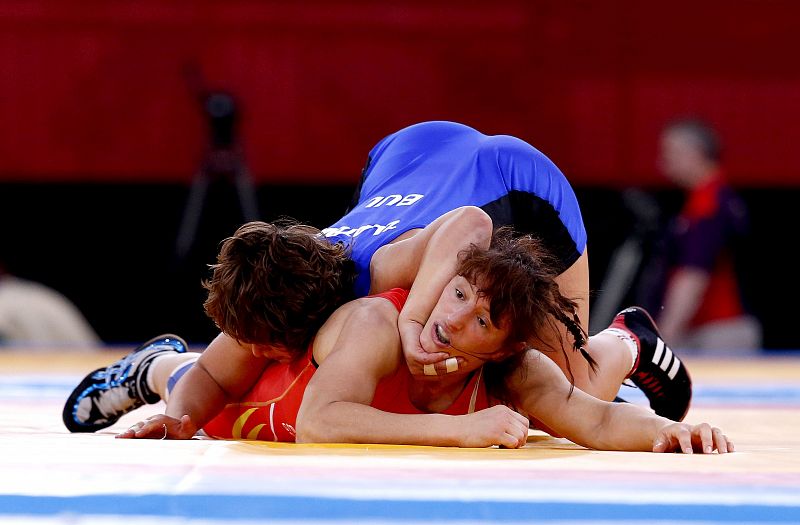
[(247, 193), (191, 214)]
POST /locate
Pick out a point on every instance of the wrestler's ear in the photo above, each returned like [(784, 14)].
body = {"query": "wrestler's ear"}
[(510, 349), (519, 347)]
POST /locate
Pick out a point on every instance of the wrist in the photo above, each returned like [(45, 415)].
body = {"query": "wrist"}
[(410, 319), (452, 430)]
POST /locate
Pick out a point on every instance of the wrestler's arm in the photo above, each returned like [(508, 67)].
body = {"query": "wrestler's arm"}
[(425, 263), (336, 403), (541, 390), (224, 372), (683, 297), (429, 257)]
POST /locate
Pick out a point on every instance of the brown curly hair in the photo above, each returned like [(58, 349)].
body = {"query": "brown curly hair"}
[(277, 283), (517, 275)]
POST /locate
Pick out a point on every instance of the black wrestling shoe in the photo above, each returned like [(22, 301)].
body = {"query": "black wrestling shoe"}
[(659, 373), (108, 393)]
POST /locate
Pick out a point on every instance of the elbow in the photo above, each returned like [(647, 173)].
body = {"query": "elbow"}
[(477, 225), (307, 431), (311, 428)]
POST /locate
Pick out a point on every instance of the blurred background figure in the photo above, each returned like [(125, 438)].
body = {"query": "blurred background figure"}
[(699, 287), (33, 314), (222, 168)]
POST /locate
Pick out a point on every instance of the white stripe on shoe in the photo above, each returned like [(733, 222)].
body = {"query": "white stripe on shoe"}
[(666, 362), (669, 358), (659, 350), (674, 370)]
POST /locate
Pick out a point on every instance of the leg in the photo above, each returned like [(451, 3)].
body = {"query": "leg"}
[(614, 360), (167, 369), (630, 347)]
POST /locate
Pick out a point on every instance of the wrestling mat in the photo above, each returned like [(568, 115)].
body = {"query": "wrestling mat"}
[(51, 476)]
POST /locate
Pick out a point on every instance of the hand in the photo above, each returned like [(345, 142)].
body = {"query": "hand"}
[(688, 438), (161, 426), (416, 356), (497, 425)]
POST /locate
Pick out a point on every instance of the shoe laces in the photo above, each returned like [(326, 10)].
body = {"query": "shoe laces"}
[(117, 373), (114, 400)]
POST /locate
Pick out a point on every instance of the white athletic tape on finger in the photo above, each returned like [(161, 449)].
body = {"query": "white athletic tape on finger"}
[(429, 370), (451, 364)]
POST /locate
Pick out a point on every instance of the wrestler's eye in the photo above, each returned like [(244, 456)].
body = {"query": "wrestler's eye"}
[(482, 322), (459, 294)]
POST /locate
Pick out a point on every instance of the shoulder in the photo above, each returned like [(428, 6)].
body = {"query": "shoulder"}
[(369, 320), (534, 369), (375, 313)]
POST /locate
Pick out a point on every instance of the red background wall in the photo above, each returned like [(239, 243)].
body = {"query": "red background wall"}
[(94, 91)]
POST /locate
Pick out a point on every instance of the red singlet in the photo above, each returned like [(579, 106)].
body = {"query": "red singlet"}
[(268, 412)]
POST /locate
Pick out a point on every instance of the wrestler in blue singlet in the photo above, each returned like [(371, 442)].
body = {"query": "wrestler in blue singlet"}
[(421, 172)]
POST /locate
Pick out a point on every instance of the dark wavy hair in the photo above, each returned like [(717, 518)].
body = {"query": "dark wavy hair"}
[(517, 275), (277, 283)]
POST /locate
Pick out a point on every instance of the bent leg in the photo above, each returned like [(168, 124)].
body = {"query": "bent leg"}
[(613, 358)]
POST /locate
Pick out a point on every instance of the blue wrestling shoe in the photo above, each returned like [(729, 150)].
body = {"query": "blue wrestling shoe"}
[(108, 393), (659, 373)]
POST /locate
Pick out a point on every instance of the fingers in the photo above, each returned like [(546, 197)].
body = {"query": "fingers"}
[(522, 420), (154, 427), (721, 442), (424, 358), (666, 439), (685, 440), (516, 429), (512, 440), (150, 430), (443, 367), (660, 445), (515, 435), (712, 439), (187, 428), (128, 433), (421, 363), (706, 438)]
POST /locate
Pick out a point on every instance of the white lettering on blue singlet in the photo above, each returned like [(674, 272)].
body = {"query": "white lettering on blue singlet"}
[(355, 232), (393, 200)]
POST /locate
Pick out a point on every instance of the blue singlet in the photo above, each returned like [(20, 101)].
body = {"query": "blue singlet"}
[(421, 172)]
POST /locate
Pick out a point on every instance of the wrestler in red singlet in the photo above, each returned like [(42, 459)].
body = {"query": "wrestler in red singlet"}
[(268, 412)]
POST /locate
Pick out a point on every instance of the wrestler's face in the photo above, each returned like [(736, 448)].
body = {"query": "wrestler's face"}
[(461, 326), (681, 158)]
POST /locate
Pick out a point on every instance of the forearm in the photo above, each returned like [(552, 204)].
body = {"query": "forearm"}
[(440, 259), (545, 394), (401, 263), (347, 422), (198, 396), (624, 426)]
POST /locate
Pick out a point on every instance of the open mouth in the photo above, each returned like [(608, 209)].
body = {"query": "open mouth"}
[(440, 335)]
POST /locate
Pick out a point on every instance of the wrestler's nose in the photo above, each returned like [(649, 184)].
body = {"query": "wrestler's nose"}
[(457, 318)]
